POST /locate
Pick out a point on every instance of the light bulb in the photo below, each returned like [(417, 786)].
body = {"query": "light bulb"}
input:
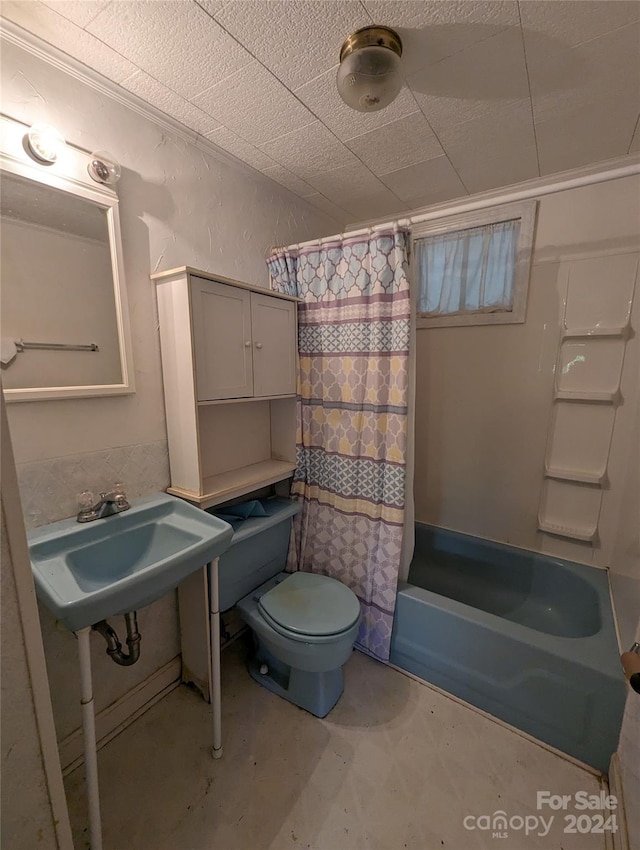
[(45, 143), (370, 73), (103, 167)]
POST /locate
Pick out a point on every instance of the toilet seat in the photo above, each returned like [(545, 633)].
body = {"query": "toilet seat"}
[(310, 608)]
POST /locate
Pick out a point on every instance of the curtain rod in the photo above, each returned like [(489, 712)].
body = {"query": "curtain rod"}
[(348, 234), (446, 210)]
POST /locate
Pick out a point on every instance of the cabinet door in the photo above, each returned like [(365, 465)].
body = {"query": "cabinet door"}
[(221, 317), (273, 322)]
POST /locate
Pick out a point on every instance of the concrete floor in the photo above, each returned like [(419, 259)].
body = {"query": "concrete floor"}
[(395, 765)]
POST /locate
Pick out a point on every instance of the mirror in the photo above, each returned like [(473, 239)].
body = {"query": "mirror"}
[(63, 317)]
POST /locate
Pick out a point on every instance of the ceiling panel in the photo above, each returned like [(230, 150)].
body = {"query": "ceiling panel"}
[(257, 78), (81, 12), (565, 77), (397, 145), (289, 180), (474, 82), (158, 95), (590, 133), (326, 206), (296, 40), (567, 24), (436, 178), (343, 183), (433, 31), (509, 128), (486, 170), (254, 104), (178, 43), (212, 7), (309, 150), (234, 144)]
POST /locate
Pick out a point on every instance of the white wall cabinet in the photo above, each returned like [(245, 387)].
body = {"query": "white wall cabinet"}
[(221, 319), (244, 342), (229, 363), (273, 323)]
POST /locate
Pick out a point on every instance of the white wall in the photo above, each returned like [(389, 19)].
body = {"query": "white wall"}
[(178, 206), (484, 393)]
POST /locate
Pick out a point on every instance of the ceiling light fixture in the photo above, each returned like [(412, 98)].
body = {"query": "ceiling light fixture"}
[(370, 73), (104, 168), (44, 143)]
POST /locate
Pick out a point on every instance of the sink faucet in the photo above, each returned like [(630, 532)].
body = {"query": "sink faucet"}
[(109, 504)]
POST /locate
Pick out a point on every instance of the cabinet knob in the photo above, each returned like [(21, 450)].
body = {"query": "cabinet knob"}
[(247, 343), (258, 345)]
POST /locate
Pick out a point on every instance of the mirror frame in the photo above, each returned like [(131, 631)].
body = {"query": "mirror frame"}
[(69, 174)]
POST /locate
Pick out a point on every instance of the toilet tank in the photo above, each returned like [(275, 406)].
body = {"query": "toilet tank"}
[(257, 552)]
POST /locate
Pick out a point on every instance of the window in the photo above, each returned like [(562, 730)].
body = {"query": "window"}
[(473, 269)]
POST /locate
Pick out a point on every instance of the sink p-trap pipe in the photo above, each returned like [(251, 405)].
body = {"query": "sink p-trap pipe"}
[(114, 647)]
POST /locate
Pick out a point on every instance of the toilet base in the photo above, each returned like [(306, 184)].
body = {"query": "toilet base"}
[(317, 693)]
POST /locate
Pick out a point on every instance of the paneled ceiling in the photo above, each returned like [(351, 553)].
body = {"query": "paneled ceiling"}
[(495, 93)]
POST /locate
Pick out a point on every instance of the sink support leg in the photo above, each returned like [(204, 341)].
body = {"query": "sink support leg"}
[(216, 693), (89, 735)]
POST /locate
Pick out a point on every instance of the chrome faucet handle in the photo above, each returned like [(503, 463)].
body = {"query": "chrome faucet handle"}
[(85, 500), (108, 504), (119, 492)]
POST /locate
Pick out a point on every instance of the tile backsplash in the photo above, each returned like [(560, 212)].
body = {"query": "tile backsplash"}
[(49, 488)]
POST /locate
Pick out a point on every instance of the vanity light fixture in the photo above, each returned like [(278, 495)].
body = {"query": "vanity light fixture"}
[(44, 143), (370, 73), (104, 168)]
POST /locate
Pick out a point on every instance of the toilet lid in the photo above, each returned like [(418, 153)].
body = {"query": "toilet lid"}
[(310, 604)]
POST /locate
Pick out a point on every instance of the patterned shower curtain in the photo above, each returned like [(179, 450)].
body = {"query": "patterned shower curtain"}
[(354, 323)]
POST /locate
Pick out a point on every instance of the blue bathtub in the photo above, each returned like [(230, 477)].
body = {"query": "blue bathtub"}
[(527, 638)]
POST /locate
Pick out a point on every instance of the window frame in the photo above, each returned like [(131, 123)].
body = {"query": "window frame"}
[(525, 211)]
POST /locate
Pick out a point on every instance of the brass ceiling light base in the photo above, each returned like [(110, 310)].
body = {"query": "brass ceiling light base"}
[(371, 36), (370, 72)]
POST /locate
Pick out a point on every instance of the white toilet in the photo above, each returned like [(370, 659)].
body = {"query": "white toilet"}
[(305, 625)]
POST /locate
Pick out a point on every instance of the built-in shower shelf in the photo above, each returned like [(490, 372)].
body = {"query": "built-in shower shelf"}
[(622, 331), (587, 535), (594, 397), (581, 476), (590, 358)]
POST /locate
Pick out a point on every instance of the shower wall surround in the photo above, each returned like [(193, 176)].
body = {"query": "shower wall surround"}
[(176, 201), (484, 394)]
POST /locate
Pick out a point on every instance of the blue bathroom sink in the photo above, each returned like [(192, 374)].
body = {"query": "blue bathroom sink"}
[(87, 572)]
